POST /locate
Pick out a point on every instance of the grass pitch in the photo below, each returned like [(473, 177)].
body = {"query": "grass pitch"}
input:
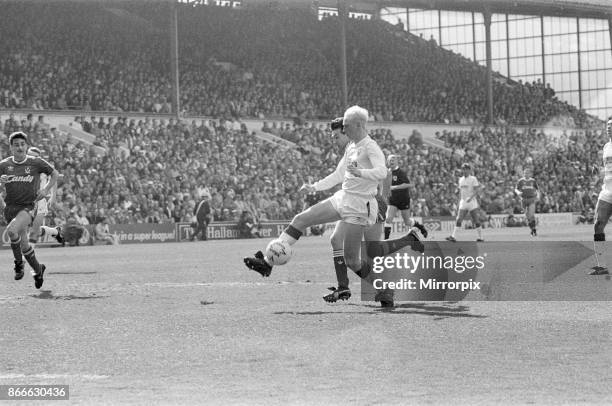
[(189, 324)]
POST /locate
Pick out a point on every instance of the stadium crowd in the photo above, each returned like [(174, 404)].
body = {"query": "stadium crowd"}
[(270, 64), (167, 167), (273, 65)]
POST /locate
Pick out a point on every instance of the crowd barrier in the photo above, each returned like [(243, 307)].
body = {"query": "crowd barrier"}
[(446, 224), (178, 232), (400, 130)]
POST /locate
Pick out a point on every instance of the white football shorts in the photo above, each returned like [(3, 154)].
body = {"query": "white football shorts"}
[(354, 208), (469, 206)]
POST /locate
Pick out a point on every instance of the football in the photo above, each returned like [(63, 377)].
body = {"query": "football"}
[(279, 252)]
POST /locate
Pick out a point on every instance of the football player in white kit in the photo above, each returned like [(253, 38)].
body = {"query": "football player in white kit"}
[(359, 171), (372, 233), (469, 188), (37, 230), (603, 211)]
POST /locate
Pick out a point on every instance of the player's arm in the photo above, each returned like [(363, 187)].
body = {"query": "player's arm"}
[(3, 179), (2, 195), (3, 176), (387, 185), (329, 181), (379, 169)]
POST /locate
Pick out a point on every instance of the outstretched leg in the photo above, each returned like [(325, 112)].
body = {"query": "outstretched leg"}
[(475, 214), (460, 216), (320, 213)]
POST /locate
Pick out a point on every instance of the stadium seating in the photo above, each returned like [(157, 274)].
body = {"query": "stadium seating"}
[(260, 63), (277, 66), (171, 165)]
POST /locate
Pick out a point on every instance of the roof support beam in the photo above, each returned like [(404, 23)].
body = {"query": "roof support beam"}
[(487, 24)]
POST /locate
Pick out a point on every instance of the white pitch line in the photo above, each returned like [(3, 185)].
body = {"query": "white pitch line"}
[(231, 284), (54, 376), (9, 298), (137, 287)]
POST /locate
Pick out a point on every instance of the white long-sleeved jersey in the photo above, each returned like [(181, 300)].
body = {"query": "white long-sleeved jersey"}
[(365, 155)]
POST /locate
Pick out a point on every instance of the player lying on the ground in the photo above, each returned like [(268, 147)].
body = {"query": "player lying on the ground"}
[(603, 210), (355, 205)]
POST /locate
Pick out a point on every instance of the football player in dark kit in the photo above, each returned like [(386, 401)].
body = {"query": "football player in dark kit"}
[(400, 198), (20, 175), (527, 190), (202, 218)]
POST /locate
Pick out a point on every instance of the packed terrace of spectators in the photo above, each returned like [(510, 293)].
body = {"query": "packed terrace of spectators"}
[(172, 165), (260, 63), (278, 66)]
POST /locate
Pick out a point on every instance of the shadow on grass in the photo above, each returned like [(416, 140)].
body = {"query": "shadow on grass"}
[(71, 273), (437, 311), (47, 294)]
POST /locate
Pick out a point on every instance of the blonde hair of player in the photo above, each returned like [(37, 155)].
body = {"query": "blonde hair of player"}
[(356, 115)]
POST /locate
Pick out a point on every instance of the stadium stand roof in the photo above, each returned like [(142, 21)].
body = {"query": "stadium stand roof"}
[(563, 8), (601, 9)]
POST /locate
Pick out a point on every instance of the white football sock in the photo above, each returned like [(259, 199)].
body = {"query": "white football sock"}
[(600, 248), (52, 231)]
